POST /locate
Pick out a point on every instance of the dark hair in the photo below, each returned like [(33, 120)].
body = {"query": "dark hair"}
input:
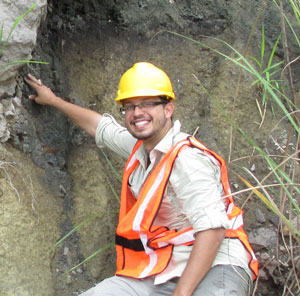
[(164, 99)]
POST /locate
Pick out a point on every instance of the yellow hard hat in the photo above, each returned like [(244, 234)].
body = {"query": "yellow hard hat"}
[(142, 80)]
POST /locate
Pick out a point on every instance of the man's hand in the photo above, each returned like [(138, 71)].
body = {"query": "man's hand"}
[(84, 118), (44, 96)]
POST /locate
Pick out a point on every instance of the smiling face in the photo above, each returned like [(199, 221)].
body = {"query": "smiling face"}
[(148, 124)]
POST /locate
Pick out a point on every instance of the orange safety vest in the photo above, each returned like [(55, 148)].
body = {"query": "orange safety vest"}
[(144, 249)]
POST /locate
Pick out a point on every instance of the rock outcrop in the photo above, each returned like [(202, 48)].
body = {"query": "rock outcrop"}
[(52, 177), (17, 42)]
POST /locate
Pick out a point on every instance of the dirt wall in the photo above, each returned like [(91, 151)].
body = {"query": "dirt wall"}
[(88, 46)]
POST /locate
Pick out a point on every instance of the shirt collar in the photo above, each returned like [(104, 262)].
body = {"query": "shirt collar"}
[(168, 140)]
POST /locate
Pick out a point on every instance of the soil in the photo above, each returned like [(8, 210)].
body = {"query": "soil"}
[(88, 46)]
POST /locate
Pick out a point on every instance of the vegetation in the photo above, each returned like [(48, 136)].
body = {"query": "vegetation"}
[(279, 189), (4, 42), (267, 69), (91, 218)]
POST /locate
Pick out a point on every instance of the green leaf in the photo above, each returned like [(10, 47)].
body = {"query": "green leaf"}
[(262, 46), (26, 62), (84, 222), (119, 178), (273, 51), (256, 61), (103, 249), (272, 67)]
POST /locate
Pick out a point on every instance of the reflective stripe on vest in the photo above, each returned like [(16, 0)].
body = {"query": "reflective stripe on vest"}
[(144, 249)]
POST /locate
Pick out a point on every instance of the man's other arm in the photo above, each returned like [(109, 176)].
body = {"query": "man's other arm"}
[(204, 251)]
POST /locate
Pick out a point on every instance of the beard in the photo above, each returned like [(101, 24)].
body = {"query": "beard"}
[(155, 128)]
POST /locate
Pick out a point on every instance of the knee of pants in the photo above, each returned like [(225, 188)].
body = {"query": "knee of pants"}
[(116, 286), (224, 280)]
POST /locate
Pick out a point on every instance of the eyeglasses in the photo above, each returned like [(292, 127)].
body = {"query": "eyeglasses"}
[(142, 106)]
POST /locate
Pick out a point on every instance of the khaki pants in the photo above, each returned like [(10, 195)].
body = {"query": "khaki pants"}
[(221, 280)]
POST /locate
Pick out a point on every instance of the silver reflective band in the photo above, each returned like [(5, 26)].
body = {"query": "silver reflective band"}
[(142, 106)]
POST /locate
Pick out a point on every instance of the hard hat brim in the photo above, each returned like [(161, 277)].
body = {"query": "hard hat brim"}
[(144, 93)]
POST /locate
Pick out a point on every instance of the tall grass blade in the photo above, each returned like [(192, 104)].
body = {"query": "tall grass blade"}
[(290, 25), (85, 221), (257, 61), (296, 11), (262, 46), (244, 64), (118, 176), (275, 169), (114, 191), (267, 70), (270, 61), (103, 249), (24, 62), (273, 207)]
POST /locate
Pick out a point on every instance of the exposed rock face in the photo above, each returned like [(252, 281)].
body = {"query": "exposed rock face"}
[(88, 45), (22, 40), (28, 229), (29, 216)]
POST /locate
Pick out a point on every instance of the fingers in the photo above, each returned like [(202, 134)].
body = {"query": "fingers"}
[(32, 81), (35, 83), (32, 97), (35, 80)]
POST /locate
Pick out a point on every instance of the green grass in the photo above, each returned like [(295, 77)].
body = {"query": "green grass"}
[(91, 218), (268, 69), (278, 190)]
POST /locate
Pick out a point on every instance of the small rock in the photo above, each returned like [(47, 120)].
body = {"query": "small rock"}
[(263, 275), (17, 102), (66, 251), (4, 132), (263, 238), (282, 248), (295, 222), (297, 260), (62, 190), (69, 280), (264, 257), (260, 217), (265, 291), (235, 185), (275, 220), (10, 111)]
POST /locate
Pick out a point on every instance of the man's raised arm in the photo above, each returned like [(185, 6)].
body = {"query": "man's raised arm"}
[(84, 118)]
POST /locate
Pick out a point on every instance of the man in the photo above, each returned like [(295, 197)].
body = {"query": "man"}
[(179, 232)]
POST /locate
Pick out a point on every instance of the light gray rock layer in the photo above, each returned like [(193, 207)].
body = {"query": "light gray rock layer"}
[(21, 41)]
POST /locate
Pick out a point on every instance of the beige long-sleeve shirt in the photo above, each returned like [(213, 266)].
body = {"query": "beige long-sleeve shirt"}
[(193, 196)]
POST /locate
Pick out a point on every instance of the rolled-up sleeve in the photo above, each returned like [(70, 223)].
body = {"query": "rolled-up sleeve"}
[(114, 136), (195, 180)]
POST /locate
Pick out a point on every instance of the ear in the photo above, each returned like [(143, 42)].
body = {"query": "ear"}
[(169, 109)]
